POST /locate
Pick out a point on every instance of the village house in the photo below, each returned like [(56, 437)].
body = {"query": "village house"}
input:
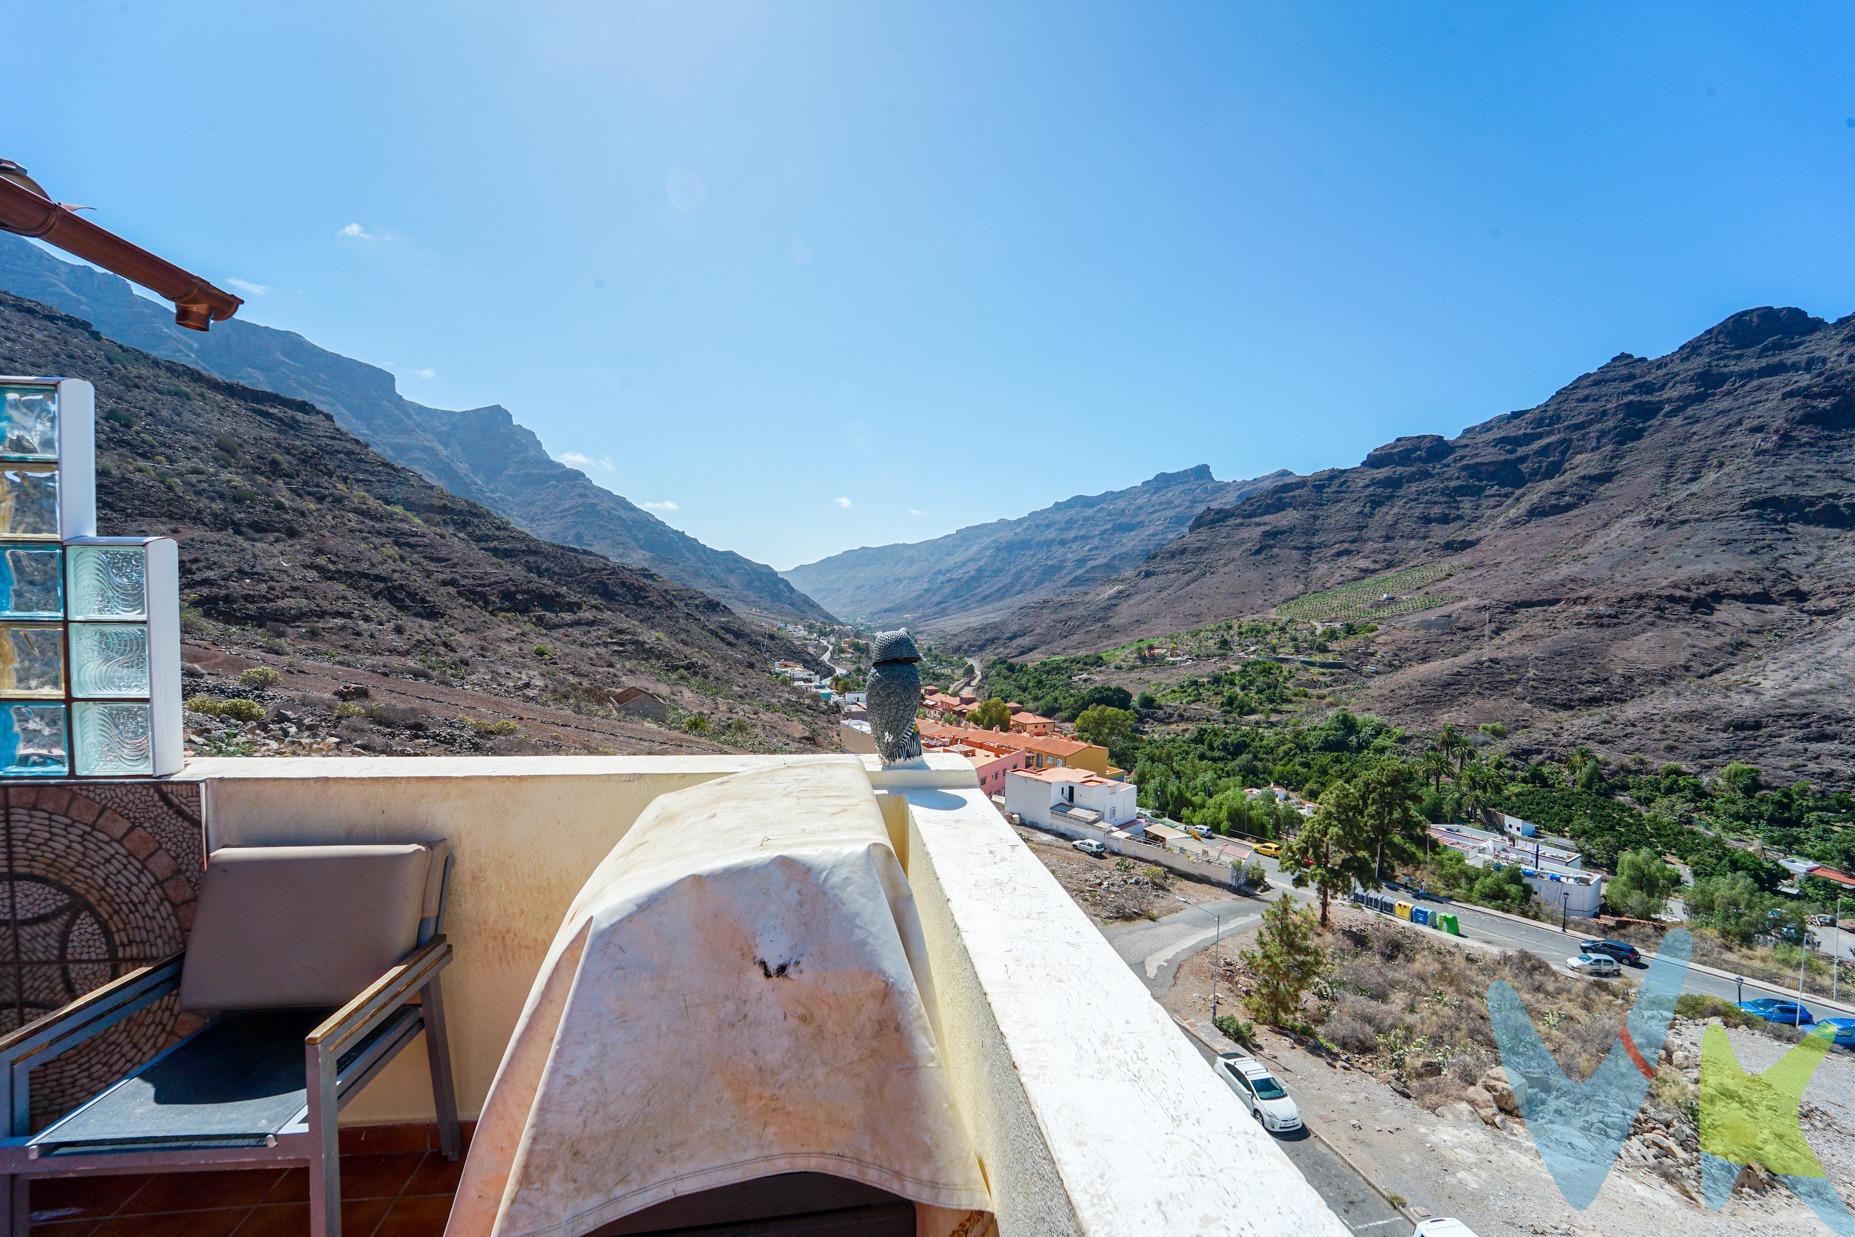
[(1069, 796), (1042, 752), (636, 702)]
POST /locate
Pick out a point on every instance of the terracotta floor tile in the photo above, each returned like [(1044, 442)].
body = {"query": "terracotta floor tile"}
[(77, 1198), (416, 1217), (436, 1175), (377, 1176), (174, 1224), (358, 1219), (384, 1139), (243, 1187), (292, 1187)]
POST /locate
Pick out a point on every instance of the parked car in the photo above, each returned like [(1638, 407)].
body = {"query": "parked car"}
[(1622, 951), (1601, 966), (1845, 1030), (1270, 850), (1089, 846), (1775, 1009), (1441, 1226), (1266, 1098)]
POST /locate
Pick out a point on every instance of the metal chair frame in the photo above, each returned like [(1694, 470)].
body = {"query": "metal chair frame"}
[(310, 1139)]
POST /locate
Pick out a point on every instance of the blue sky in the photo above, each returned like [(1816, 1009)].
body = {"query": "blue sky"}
[(826, 275)]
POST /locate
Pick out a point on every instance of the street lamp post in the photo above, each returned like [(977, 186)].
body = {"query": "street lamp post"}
[(1565, 900), (1217, 961), (1835, 957)]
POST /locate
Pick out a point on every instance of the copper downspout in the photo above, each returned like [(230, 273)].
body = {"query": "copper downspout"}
[(197, 304)]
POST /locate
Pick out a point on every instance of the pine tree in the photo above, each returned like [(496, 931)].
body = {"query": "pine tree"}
[(1333, 851), (1285, 963)]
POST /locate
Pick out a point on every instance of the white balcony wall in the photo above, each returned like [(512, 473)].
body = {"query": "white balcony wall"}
[(1088, 1106)]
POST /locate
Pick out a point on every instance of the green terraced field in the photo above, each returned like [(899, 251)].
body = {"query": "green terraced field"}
[(1361, 598)]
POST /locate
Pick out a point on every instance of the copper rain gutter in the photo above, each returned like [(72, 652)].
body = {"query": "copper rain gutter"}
[(29, 211)]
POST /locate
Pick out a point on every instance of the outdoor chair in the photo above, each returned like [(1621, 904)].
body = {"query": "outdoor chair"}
[(315, 965)]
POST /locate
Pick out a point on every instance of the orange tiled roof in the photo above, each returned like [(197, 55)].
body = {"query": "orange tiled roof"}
[(1047, 745), (1081, 777)]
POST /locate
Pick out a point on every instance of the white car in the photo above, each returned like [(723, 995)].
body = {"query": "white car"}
[(1089, 846), (1442, 1226), (1602, 966), (1266, 1098)]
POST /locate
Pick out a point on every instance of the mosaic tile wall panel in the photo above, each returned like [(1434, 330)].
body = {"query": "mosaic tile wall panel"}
[(99, 878)]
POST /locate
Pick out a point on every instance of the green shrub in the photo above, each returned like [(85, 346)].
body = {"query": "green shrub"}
[(1236, 1029), (349, 708), (541, 651), (259, 677), (695, 723), (487, 729), (236, 709), (1700, 1006)]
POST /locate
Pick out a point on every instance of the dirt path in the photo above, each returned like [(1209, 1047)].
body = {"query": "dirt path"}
[(1109, 895)]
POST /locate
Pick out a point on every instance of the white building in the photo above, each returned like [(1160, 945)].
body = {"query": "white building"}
[(1557, 876), (1069, 796)]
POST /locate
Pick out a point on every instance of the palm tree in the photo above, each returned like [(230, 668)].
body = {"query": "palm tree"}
[(1435, 767), (1453, 744), (1477, 786)]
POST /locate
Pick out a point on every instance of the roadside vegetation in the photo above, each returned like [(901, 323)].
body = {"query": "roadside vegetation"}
[(1663, 831)]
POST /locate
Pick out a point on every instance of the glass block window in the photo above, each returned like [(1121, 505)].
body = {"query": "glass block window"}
[(109, 660), (31, 582), (108, 582), (33, 740), (113, 738), (28, 501), (89, 625), (28, 423), (31, 659)]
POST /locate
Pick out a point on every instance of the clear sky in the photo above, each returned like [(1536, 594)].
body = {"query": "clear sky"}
[(826, 275)]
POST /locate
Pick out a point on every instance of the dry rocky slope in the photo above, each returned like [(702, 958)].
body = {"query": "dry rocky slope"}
[(1658, 560), (299, 543), (987, 569), (481, 454)]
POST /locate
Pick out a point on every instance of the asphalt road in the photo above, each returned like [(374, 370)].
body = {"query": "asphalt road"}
[(1154, 950), (1546, 941), (1357, 1204)]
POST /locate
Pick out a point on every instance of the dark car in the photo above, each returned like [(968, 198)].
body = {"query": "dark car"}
[(1622, 951)]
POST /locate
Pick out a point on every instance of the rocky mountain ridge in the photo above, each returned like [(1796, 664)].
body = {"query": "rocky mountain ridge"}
[(482, 454), (1657, 560), (304, 550), (983, 570)]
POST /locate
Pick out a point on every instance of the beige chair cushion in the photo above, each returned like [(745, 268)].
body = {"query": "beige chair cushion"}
[(284, 927)]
